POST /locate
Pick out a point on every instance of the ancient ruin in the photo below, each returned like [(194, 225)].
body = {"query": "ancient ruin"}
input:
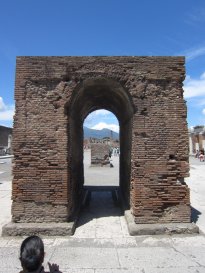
[(5, 140), (99, 153), (196, 139), (53, 97)]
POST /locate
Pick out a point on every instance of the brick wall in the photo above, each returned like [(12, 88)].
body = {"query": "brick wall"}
[(53, 96)]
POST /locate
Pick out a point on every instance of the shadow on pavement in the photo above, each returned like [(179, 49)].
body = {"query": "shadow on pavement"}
[(101, 204), (194, 214)]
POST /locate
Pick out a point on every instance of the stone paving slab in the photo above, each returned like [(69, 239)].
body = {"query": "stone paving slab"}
[(153, 270), (86, 257), (143, 254), (148, 257)]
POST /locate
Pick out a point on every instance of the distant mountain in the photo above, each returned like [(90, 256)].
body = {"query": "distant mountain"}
[(99, 133)]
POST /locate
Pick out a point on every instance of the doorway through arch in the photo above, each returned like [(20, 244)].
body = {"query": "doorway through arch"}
[(91, 95)]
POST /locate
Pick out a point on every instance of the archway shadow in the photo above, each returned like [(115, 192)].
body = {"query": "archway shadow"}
[(194, 214), (100, 205)]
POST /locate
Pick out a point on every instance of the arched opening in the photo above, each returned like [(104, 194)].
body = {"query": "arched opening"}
[(91, 95)]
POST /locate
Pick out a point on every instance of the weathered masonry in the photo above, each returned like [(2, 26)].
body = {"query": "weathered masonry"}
[(53, 97)]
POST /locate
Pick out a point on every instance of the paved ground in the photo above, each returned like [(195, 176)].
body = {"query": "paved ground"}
[(101, 175), (196, 183), (101, 242)]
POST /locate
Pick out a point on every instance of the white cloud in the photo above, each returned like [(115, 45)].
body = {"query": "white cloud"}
[(203, 111), (193, 53), (2, 105), (7, 115), (203, 76), (6, 111), (92, 116), (194, 87), (104, 118), (198, 101), (102, 112), (102, 125)]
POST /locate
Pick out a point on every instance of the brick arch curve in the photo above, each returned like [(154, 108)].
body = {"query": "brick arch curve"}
[(90, 95)]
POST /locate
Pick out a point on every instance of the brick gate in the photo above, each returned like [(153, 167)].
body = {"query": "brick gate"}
[(54, 95)]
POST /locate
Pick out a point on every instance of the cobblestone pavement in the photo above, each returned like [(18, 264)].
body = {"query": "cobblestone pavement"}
[(101, 242)]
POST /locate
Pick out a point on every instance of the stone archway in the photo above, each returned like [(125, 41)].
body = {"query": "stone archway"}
[(90, 95), (53, 96)]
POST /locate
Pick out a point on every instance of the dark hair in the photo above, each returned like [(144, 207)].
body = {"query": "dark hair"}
[(32, 253)]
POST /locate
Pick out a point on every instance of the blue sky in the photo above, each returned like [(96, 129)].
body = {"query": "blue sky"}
[(104, 27)]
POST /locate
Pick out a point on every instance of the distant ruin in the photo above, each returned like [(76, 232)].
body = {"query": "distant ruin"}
[(5, 140), (196, 139), (53, 97), (99, 154)]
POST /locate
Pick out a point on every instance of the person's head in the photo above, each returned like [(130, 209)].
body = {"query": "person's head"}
[(32, 253)]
